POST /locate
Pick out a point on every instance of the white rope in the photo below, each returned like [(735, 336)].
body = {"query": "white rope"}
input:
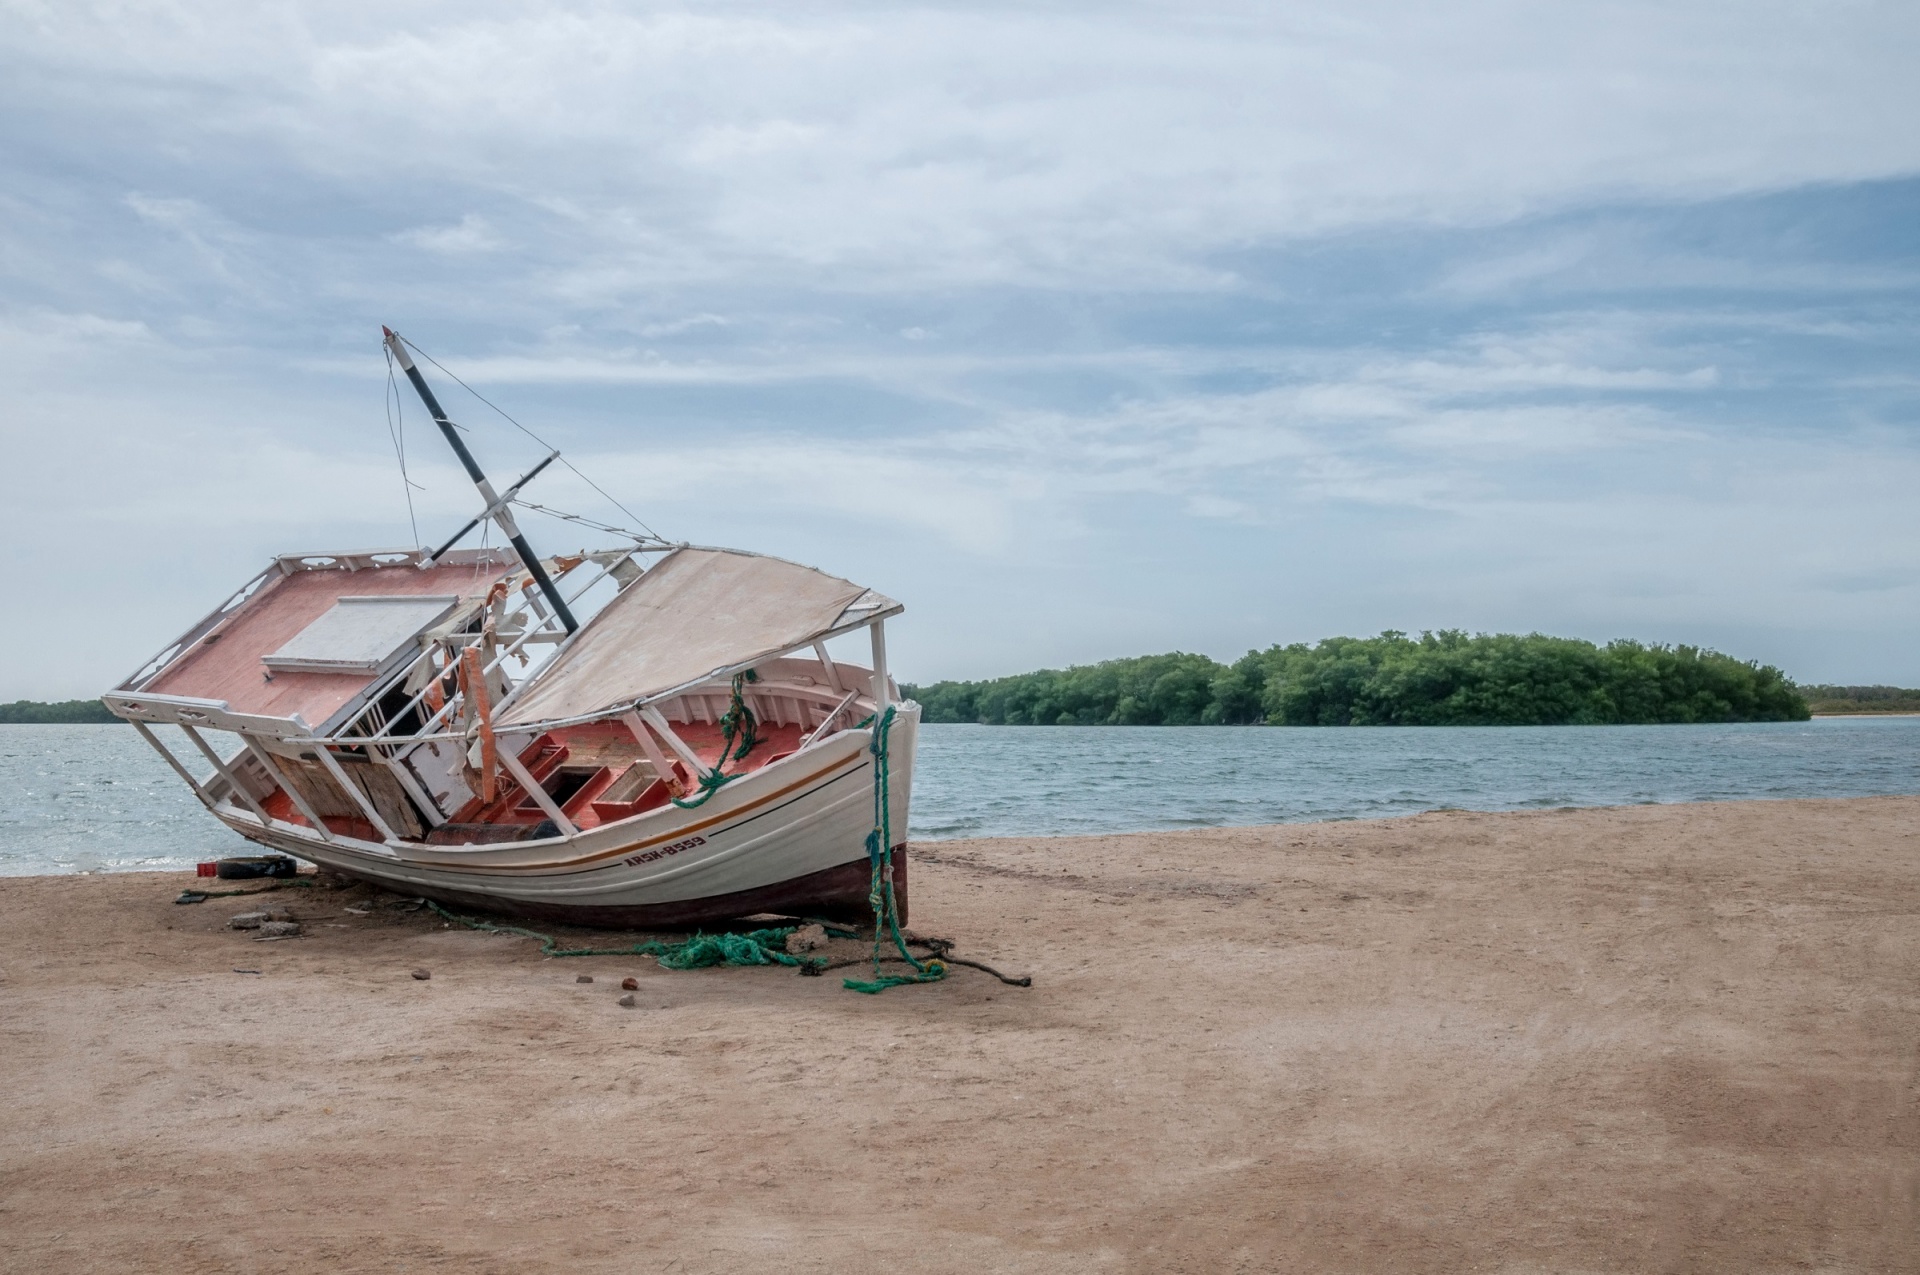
[(398, 433)]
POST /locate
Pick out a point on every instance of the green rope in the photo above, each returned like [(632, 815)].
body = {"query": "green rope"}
[(710, 783), (768, 946), (738, 721), (886, 910), (739, 718), (702, 951)]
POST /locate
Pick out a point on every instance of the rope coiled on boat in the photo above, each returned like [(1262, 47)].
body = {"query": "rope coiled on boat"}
[(737, 722)]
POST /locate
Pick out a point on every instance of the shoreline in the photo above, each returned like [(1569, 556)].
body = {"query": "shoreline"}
[(915, 842), (1816, 716), (1608, 1038)]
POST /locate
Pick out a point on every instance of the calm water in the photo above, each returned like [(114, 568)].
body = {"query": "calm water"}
[(88, 798)]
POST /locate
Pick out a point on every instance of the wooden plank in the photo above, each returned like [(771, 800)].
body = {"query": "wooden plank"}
[(537, 792), (435, 816), (830, 718), (651, 717), (294, 794), (662, 768), (352, 790), (826, 662)]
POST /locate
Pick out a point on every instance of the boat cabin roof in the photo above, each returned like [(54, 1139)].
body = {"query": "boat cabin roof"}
[(317, 629), (696, 615)]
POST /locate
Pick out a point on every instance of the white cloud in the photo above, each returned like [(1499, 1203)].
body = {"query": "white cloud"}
[(471, 234), (904, 147), (40, 333), (1436, 432), (679, 327)]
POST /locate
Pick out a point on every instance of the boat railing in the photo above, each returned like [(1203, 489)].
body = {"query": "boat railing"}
[(822, 730), (238, 598), (545, 628)]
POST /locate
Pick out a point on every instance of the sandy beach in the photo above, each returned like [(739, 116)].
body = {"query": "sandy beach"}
[(1677, 1038)]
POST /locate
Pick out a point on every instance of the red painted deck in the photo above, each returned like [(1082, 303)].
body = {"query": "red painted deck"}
[(610, 748), (605, 746)]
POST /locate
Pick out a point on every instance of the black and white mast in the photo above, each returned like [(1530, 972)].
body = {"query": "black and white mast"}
[(496, 505)]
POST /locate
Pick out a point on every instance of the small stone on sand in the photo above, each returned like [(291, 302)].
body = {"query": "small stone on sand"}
[(422, 974), (279, 929), (806, 939), (630, 984), (628, 1001), (583, 978), (247, 920)]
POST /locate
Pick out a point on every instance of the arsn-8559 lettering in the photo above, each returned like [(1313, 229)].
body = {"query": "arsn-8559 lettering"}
[(664, 851)]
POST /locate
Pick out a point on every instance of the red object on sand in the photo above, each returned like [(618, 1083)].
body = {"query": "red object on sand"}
[(206, 869)]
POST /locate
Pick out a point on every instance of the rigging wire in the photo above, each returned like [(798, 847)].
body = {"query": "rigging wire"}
[(398, 433), (634, 536), (536, 438)]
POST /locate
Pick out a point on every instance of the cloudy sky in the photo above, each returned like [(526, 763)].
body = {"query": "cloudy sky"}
[(1085, 331)]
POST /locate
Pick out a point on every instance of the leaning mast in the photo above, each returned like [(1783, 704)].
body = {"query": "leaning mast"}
[(496, 505)]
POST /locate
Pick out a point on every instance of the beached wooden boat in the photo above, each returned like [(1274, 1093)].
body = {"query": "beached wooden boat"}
[(650, 735)]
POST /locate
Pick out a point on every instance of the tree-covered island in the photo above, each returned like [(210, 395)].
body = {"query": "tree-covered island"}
[(1447, 678)]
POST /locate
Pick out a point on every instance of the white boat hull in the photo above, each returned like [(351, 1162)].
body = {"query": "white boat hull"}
[(789, 838)]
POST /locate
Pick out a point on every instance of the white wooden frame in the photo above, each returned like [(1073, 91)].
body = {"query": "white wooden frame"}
[(644, 719)]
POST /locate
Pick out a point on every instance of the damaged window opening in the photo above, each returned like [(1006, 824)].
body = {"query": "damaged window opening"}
[(563, 785)]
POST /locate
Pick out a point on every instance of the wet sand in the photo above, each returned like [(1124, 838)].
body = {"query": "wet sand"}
[(1680, 1038)]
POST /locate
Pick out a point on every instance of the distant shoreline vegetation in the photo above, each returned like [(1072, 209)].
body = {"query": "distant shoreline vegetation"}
[(67, 712), (1861, 699), (1447, 678)]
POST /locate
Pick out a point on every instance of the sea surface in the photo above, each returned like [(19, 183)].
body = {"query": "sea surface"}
[(96, 798)]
